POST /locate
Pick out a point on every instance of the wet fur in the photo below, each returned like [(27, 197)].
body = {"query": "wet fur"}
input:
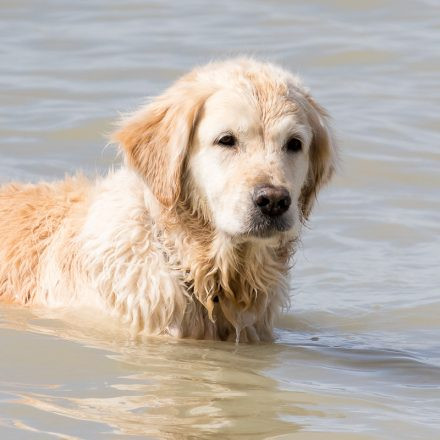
[(141, 243)]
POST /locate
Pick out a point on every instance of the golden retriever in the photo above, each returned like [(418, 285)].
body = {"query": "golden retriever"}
[(192, 236)]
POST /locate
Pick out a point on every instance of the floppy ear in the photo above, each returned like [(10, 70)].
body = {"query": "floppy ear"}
[(155, 139), (322, 156)]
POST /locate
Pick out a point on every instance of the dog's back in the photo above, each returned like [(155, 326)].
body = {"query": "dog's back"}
[(30, 215)]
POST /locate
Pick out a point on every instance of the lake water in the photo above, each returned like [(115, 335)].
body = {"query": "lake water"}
[(358, 355)]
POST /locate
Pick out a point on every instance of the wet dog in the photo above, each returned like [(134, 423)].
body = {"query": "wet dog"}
[(192, 236)]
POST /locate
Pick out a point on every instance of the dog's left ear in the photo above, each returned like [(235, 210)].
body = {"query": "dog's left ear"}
[(322, 155), (155, 139)]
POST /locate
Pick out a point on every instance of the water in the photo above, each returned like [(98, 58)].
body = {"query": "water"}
[(358, 356)]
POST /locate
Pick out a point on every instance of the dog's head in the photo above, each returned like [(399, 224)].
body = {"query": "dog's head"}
[(242, 141)]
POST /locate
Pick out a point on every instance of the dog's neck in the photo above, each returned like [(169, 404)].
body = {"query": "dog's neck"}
[(239, 280)]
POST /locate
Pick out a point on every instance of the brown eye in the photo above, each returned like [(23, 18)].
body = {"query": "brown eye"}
[(227, 140), (293, 145)]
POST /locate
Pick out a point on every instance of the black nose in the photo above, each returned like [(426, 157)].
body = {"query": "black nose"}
[(272, 200)]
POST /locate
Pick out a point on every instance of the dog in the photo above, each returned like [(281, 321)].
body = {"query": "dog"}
[(193, 235)]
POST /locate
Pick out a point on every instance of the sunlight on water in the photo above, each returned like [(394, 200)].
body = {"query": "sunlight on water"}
[(358, 356)]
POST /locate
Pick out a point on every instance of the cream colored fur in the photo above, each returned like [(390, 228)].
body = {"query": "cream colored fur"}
[(166, 243)]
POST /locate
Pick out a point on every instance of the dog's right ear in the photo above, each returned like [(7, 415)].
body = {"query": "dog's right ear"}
[(155, 139)]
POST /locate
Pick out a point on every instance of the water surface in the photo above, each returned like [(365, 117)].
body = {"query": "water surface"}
[(358, 356)]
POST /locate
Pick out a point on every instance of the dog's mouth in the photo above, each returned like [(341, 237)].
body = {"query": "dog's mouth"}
[(263, 226)]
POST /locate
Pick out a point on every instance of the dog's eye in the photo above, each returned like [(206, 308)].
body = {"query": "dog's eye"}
[(227, 140), (293, 145)]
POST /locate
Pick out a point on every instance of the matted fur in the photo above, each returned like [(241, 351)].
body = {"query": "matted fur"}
[(148, 243)]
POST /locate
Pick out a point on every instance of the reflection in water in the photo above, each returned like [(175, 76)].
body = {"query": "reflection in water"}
[(166, 388), (171, 389)]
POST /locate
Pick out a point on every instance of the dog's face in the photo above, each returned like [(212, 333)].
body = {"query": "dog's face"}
[(242, 141), (249, 161)]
